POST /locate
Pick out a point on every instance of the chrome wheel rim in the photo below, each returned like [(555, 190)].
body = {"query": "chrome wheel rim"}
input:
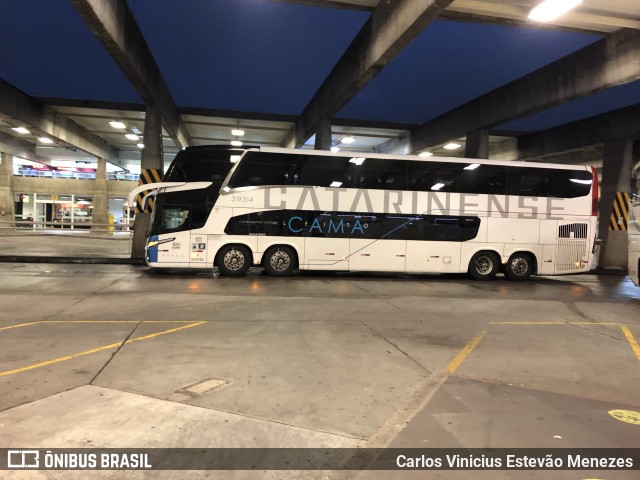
[(280, 261), (484, 265), (519, 266), (233, 260)]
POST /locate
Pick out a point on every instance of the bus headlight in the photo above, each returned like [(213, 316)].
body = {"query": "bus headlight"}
[(155, 243)]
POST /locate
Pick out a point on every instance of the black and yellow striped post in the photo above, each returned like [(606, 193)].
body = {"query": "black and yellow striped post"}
[(147, 175), (619, 219)]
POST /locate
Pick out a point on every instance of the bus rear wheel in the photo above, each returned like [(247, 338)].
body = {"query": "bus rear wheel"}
[(520, 266), (233, 260), (484, 266), (280, 261)]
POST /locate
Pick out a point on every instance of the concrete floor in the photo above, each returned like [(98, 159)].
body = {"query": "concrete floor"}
[(316, 360)]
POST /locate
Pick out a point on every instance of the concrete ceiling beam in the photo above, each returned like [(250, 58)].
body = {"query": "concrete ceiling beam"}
[(20, 148), (618, 124), (115, 26), (609, 62), (18, 106), (389, 29)]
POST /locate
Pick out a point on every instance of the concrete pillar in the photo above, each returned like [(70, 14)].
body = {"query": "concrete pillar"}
[(100, 197), (323, 135), (616, 177), (477, 144), (152, 157), (6, 192)]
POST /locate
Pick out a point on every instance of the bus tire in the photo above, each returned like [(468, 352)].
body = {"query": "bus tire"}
[(484, 266), (280, 261), (520, 266), (234, 260)]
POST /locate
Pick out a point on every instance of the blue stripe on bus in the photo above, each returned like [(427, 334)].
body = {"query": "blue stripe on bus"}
[(152, 252)]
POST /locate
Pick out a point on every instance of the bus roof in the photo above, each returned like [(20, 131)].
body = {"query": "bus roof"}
[(342, 154)]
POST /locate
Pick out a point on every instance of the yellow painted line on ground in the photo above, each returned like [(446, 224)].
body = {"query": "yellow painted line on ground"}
[(95, 350), (116, 321), (555, 323), (18, 325), (464, 353), (93, 321), (632, 341), (146, 337)]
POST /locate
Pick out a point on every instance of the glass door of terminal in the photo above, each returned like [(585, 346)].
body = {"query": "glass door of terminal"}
[(63, 211)]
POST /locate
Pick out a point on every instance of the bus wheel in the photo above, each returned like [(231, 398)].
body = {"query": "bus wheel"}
[(520, 266), (280, 261), (233, 260), (484, 266)]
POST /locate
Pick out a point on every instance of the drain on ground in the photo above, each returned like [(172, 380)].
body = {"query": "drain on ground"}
[(204, 386)]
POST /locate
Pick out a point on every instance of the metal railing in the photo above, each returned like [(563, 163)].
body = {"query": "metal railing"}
[(28, 227), (131, 177)]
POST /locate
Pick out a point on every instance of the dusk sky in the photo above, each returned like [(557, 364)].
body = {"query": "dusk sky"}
[(264, 56)]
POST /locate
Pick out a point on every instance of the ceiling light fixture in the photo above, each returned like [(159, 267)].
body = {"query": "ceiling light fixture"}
[(236, 132), (234, 158), (452, 146), (140, 145), (132, 136), (336, 184), (357, 160), (347, 140), (115, 124), (335, 149), (20, 130), (45, 140), (472, 166), (236, 143), (551, 9), (437, 186), (425, 154)]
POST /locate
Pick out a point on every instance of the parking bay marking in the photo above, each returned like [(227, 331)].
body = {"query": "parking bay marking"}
[(19, 325), (625, 330), (95, 350)]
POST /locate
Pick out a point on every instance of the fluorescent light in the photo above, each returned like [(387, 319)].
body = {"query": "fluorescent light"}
[(236, 143), (132, 136), (335, 149), (117, 124), (452, 146), (140, 145), (236, 132), (584, 182), (357, 160), (473, 166), (347, 140), (45, 140), (425, 154), (437, 186), (20, 130), (336, 184), (234, 158), (551, 9)]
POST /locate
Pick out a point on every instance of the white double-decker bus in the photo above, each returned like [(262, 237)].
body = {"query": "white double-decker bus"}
[(314, 210)]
